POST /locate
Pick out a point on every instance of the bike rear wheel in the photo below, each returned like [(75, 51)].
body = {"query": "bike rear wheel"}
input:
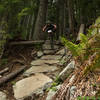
[(51, 41)]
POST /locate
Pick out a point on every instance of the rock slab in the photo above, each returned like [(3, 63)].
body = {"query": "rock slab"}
[(3, 96), (28, 86), (40, 69), (40, 62), (67, 70), (51, 57)]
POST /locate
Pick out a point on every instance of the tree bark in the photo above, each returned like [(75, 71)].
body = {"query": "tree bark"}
[(71, 16), (41, 18), (61, 16), (2, 36), (4, 70)]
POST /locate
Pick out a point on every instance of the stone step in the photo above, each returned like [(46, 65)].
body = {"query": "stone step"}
[(42, 61), (31, 85), (51, 57), (40, 69)]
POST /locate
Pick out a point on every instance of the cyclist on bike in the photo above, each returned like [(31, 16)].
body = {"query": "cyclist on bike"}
[(50, 29)]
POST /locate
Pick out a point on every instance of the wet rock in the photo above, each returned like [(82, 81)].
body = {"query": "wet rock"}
[(31, 85), (67, 70), (40, 69), (3, 96), (40, 54)]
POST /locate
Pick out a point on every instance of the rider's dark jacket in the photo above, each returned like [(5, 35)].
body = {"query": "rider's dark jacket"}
[(48, 27)]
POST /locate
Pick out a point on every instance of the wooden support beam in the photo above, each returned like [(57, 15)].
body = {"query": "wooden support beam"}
[(81, 30), (26, 42)]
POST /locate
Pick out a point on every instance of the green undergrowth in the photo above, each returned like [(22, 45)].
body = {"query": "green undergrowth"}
[(77, 49), (88, 46), (56, 82)]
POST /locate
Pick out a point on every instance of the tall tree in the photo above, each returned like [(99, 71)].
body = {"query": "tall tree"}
[(70, 6), (41, 18), (61, 17)]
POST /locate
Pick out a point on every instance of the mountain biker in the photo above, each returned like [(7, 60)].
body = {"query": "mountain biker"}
[(50, 29)]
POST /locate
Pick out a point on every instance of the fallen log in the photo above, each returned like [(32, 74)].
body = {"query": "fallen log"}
[(4, 70), (25, 42), (11, 75), (81, 30)]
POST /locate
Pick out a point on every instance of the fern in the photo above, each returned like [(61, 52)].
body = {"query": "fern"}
[(76, 49), (72, 47), (23, 12), (84, 38)]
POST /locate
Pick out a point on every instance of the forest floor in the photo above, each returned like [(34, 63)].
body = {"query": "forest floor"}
[(17, 56), (14, 58)]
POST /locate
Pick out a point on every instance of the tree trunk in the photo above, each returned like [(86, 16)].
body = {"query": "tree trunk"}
[(11, 75), (3, 36), (30, 32), (65, 18), (71, 16), (4, 71), (61, 17), (38, 34)]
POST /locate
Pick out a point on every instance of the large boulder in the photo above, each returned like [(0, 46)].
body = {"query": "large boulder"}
[(67, 70), (31, 85)]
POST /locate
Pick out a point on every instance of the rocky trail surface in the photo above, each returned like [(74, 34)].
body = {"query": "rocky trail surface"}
[(32, 83)]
